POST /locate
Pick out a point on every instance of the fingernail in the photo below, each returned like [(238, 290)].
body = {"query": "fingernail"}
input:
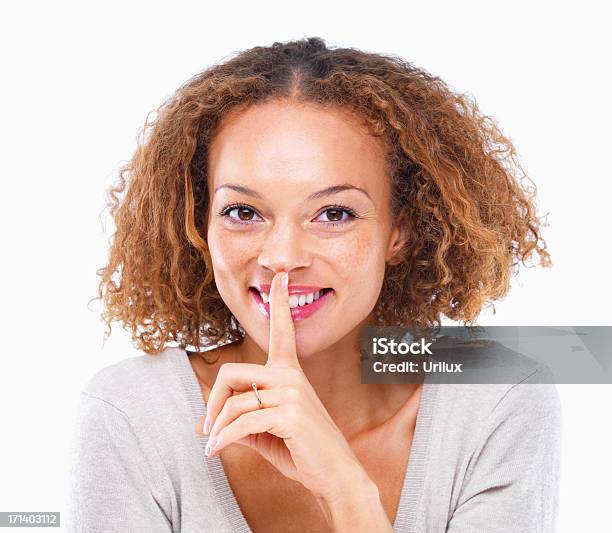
[(210, 446), (206, 425), (285, 280)]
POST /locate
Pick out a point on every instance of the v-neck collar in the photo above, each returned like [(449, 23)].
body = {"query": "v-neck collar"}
[(414, 478)]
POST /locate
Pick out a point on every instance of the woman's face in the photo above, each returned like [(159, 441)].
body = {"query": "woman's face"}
[(302, 189)]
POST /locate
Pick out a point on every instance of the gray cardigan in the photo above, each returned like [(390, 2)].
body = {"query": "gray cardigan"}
[(484, 458)]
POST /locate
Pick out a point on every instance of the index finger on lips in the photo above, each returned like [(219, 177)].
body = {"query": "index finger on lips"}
[(282, 350)]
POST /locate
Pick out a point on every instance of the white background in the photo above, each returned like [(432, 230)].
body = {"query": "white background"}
[(78, 80)]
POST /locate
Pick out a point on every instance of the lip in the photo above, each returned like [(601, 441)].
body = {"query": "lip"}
[(293, 289), (297, 313)]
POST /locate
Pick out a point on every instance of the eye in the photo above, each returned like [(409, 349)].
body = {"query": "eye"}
[(239, 214), (242, 214), (336, 215)]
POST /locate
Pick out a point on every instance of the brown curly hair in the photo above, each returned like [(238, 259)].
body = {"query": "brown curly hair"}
[(457, 187)]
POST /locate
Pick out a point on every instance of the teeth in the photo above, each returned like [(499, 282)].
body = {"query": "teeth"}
[(296, 300)]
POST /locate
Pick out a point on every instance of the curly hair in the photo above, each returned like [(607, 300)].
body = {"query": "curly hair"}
[(457, 187)]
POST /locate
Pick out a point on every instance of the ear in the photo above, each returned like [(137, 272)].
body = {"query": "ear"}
[(397, 242)]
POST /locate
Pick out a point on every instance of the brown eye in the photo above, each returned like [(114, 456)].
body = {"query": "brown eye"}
[(244, 213), (240, 214), (334, 215)]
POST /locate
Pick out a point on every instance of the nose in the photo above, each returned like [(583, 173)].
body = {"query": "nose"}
[(285, 248)]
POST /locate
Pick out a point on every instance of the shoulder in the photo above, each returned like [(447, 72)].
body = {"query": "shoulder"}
[(137, 383), (536, 384), (468, 414), (531, 406), (498, 378), (495, 452)]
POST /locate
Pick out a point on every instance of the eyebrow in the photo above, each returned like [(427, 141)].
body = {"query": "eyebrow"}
[(328, 191)]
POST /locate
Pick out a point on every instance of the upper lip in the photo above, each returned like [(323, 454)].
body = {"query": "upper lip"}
[(293, 289)]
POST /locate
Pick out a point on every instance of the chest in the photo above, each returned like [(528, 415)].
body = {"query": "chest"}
[(272, 503)]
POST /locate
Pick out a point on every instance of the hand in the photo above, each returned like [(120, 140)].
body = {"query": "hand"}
[(293, 431)]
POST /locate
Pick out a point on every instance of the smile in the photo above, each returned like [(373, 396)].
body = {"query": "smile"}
[(302, 304)]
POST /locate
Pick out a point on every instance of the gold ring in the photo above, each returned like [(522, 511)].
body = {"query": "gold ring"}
[(254, 385)]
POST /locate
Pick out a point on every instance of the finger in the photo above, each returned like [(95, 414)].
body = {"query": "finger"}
[(282, 349), (245, 402), (253, 422), (238, 377)]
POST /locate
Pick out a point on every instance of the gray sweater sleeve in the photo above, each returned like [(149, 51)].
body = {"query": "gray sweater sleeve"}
[(111, 485), (512, 481)]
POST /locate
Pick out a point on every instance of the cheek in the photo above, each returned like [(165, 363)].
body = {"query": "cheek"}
[(227, 253), (359, 260)]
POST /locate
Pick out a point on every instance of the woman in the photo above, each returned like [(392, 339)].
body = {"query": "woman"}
[(279, 202)]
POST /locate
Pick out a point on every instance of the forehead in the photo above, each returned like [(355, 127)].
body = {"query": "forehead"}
[(295, 143)]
